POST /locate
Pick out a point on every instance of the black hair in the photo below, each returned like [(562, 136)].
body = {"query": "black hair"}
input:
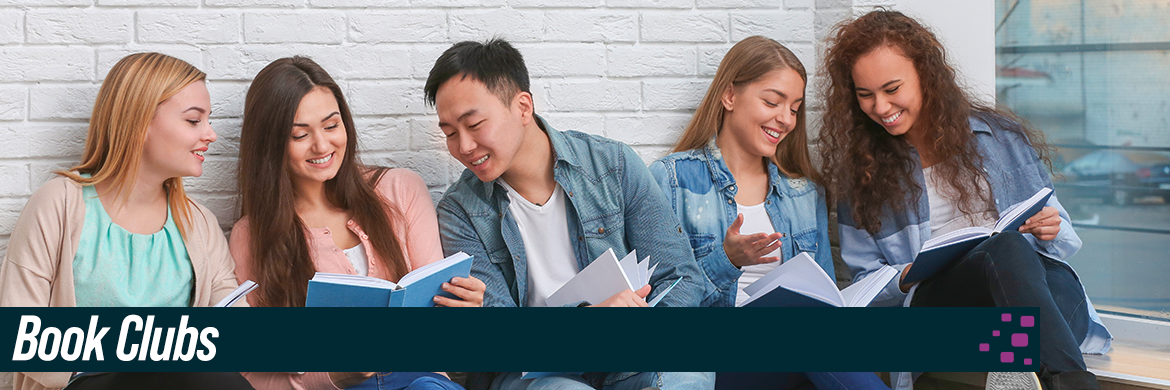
[(495, 63)]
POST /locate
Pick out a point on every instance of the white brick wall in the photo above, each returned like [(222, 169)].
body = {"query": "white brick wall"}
[(628, 69)]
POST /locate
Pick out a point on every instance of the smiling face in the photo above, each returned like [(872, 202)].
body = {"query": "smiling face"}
[(482, 132), (888, 89), (317, 140), (179, 134), (759, 115)]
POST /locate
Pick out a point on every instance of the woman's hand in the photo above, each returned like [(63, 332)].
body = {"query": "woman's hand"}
[(1044, 225), (468, 290), (745, 250), (627, 298), (349, 379), (905, 287)]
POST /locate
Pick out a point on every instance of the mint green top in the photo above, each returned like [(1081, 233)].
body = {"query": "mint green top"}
[(117, 268)]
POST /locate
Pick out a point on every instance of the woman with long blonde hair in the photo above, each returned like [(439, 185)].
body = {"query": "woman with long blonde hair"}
[(118, 230), (741, 182)]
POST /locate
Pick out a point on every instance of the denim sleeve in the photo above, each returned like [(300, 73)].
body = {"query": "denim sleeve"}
[(720, 273), (457, 234), (861, 254), (653, 230), (1066, 243), (824, 256)]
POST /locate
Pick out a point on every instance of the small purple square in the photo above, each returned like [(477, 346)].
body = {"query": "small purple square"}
[(1019, 339), (1027, 321), (995, 333), (1007, 357), (1027, 361), (1006, 317), (984, 347)]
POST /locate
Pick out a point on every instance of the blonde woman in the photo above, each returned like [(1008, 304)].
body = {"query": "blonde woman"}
[(741, 182), (118, 230)]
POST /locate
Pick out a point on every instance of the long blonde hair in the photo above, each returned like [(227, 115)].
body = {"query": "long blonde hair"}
[(746, 62), (125, 107)]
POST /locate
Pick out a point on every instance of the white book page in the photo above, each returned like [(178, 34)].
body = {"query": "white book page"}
[(1014, 212), (630, 266), (955, 236), (643, 270), (430, 269), (237, 294), (599, 280), (354, 280), (800, 274), (650, 272), (861, 293)]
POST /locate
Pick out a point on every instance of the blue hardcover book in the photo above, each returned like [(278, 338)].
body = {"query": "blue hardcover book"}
[(415, 289), (939, 251)]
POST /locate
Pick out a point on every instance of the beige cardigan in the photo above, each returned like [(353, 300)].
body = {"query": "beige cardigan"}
[(38, 268)]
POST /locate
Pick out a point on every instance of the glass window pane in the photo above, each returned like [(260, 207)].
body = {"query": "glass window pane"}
[(1094, 76)]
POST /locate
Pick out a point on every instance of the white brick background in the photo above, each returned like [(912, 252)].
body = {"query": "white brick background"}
[(632, 70)]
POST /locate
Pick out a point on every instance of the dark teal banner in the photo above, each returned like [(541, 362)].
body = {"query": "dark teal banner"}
[(520, 339)]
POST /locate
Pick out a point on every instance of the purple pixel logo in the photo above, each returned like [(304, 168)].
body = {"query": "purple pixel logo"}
[(1016, 338)]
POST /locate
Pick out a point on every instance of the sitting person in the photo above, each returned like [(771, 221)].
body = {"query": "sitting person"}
[(536, 205), (309, 205), (118, 229), (911, 155), (741, 182)]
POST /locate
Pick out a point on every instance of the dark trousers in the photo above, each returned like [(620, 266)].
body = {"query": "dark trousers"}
[(798, 381), (1005, 271), (162, 380)]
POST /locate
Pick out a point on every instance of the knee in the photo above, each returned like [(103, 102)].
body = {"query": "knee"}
[(429, 383), (1008, 252)]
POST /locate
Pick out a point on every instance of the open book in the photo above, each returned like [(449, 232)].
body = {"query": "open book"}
[(237, 294), (939, 251), (415, 289), (607, 276), (800, 282)]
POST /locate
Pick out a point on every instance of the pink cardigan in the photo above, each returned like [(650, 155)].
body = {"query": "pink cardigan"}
[(418, 232)]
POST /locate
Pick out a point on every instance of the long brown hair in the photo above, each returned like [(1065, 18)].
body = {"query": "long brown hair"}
[(125, 107), (279, 247), (746, 62), (874, 170)]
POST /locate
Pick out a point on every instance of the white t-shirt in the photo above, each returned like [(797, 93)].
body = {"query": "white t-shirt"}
[(944, 216), (357, 257), (755, 220), (545, 232)]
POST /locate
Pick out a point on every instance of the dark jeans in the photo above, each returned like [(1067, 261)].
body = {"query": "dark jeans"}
[(407, 381), (1005, 271), (162, 380), (798, 381)]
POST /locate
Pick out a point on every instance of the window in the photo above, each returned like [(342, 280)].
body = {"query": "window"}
[(1094, 76)]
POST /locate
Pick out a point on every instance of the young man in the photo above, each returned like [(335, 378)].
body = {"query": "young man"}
[(536, 205)]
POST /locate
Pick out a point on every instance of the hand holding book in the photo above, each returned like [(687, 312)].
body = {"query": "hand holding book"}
[(469, 292), (1044, 225)]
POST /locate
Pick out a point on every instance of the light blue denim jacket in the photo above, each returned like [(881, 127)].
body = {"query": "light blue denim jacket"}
[(702, 191), (612, 203), (1015, 173)]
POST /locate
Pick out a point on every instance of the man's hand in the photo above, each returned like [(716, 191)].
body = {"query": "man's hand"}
[(469, 290), (627, 298)]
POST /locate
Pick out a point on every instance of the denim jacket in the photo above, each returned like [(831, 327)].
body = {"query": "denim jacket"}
[(612, 203), (702, 191), (1015, 173)]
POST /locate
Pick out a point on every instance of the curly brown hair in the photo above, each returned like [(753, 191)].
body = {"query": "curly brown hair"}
[(874, 171)]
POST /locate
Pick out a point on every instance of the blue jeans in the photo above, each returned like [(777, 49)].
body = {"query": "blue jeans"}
[(609, 381), (1005, 271), (799, 381), (407, 381)]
